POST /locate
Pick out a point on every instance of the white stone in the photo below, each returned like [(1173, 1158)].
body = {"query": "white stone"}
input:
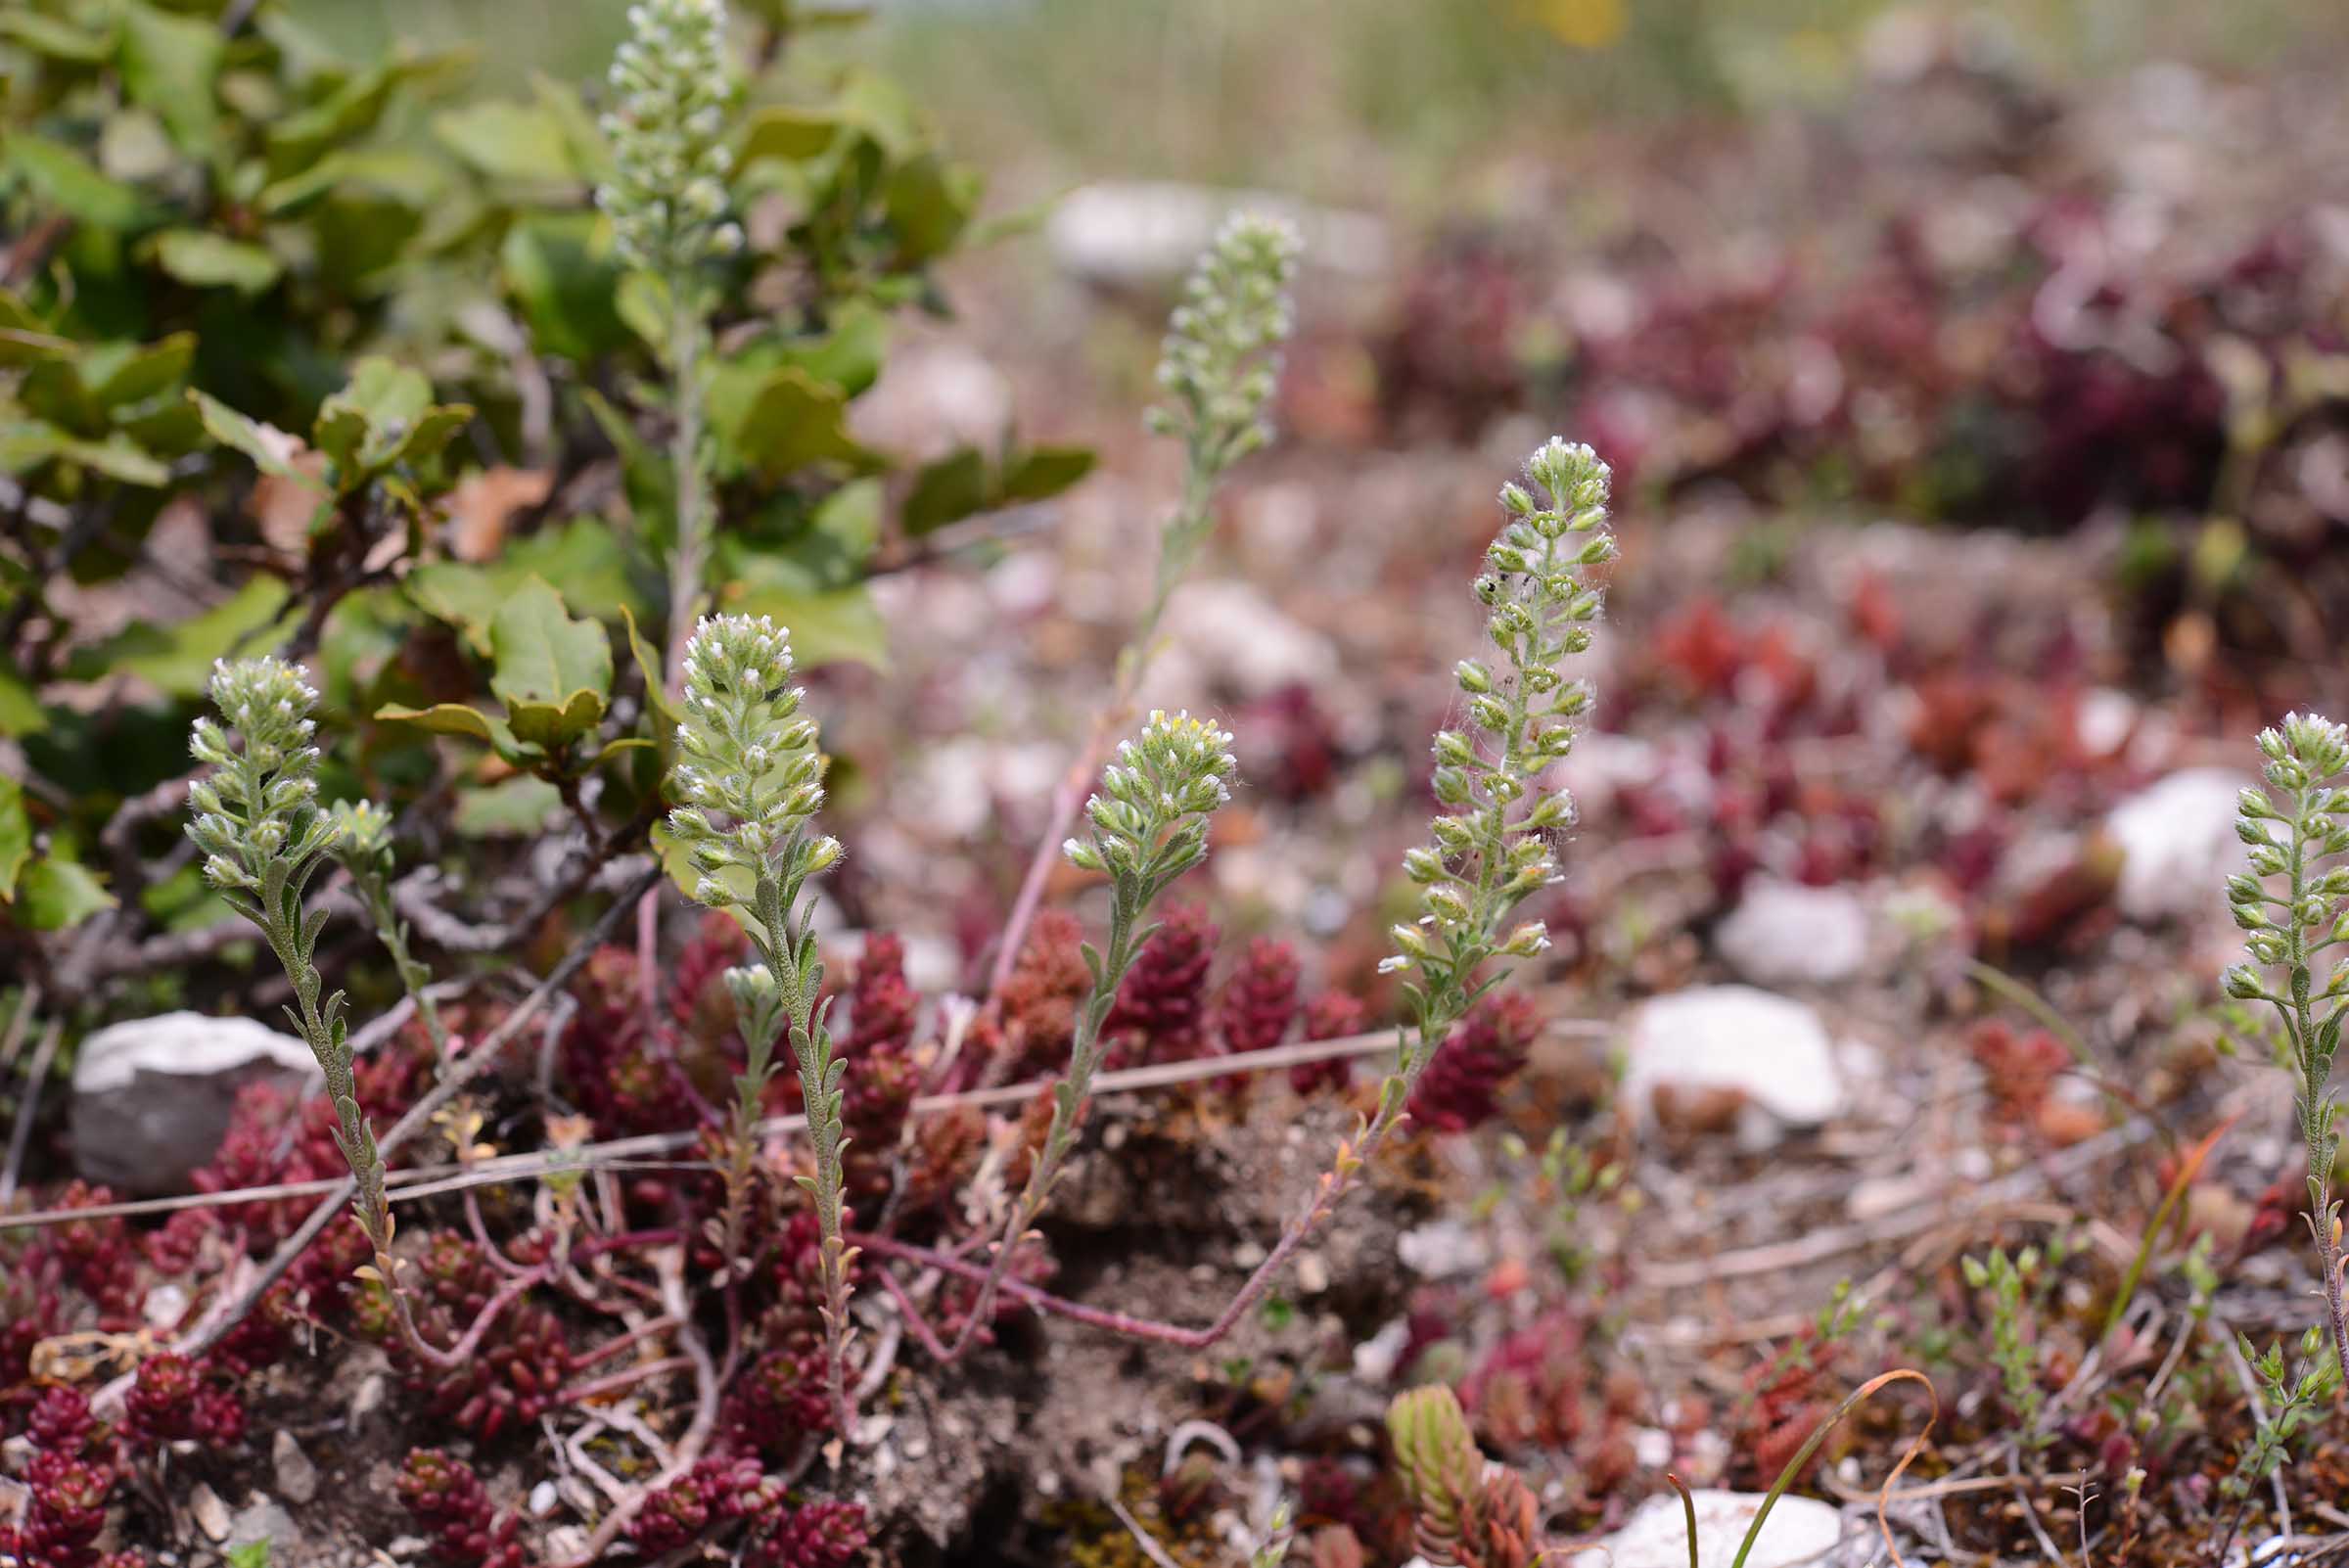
[(1442, 1249), (1130, 234), (1799, 1529), (1773, 1050), (152, 1097), (297, 1477), (2177, 843), (1376, 1358), (1783, 933)]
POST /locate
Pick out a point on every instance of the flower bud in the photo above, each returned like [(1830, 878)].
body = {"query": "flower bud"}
[(1527, 941)]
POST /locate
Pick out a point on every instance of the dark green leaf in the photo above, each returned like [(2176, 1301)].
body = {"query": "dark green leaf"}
[(792, 421), (946, 491), (565, 283), (1043, 472), (136, 373), (928, 202)]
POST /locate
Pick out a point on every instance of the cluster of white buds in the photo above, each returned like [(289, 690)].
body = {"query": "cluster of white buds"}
[(1492, 847), (2286, 848), (750, 776), (257, 816), (362, 835), (672, 89), (1150, 817), (264, 836), (1221, 356)]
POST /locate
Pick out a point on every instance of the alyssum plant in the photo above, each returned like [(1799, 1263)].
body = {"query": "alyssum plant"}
[(1491, 853), (751, 779), (2288, 905), (675, 88), (1219, 365), (264, 837)]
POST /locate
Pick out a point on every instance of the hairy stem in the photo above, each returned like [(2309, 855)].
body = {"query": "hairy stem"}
[(2315, 1114), (1068, 1106)]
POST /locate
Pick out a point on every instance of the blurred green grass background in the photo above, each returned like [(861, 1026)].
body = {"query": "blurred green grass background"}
[(1365, 99)]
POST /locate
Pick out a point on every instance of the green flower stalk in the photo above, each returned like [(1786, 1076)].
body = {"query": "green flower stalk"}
[(675, 92), (362, 844), (751, 779), (1221, 362), (2289, 908), (1492, 847), (1150, 821), (263, 837), (1492, 850)]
